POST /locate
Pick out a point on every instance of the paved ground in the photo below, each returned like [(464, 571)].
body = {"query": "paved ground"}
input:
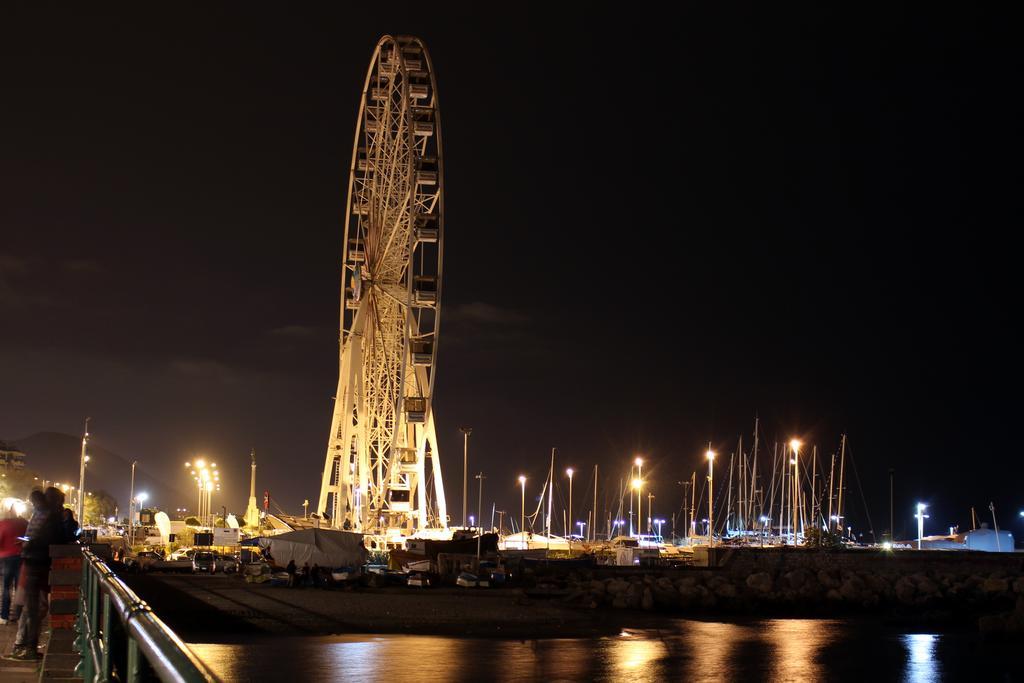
[(226, 609), (17, 672)]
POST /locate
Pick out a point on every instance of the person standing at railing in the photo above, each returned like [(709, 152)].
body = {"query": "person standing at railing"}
[(69, 526), (12, 528), (44, 529)]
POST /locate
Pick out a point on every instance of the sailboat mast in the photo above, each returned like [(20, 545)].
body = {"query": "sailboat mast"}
[(831, 473), (593, 527), (728, 495), (551, 487), (814, 486), (842, 473), (753, 474)]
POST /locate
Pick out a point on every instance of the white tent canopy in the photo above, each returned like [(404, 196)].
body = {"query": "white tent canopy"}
[(531, 541), (324, 547)]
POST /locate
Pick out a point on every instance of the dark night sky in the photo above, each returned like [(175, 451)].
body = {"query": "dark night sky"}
[(659, 224)]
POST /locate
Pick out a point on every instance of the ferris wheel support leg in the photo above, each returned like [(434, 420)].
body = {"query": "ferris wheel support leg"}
[(435, 463), (336, 465)]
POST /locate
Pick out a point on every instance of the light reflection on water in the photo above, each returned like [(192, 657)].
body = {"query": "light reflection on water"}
[(774, 649), (923, 666), (796, 645)]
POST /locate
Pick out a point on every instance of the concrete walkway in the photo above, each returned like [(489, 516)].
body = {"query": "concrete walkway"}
[(18, 672)]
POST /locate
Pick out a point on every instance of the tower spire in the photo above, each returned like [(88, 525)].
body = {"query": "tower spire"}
[(252, 512)]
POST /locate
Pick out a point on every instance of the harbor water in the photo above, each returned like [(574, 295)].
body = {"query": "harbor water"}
[(670, 649)]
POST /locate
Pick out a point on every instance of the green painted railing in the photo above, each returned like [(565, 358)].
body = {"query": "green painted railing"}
[(120, 637)]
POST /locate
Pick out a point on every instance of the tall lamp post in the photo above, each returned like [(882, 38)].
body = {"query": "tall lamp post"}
[(466, 431), (711, 498), (80, 508), (639, 462), (522, 510), (131, 504), (892, 522), (794, 503), (920, 523), (637, 484), (568, 518), (479, 504), (650, 511), (138, 501)]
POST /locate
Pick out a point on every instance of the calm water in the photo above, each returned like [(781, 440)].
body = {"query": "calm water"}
[(686, 650)]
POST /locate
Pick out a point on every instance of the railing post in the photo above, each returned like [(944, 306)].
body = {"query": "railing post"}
[(108, 621), (84, 668), (133, 660)]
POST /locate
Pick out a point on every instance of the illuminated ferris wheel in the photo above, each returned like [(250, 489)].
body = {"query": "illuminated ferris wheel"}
[(382, 469)]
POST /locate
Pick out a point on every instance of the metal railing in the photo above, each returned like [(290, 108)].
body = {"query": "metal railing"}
[(121, 638)]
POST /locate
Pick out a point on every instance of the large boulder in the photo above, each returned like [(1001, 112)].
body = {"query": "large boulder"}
[(760, 582), (906, 591), (995, 586), (616, 587), (647, 599), (926, 587), (634, 594), (722, 587), (829, 579), (853, 588)]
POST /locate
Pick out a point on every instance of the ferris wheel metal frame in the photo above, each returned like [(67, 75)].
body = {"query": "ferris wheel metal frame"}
[(382, 472)]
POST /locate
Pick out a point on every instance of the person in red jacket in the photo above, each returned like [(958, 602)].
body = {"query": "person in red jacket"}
[(12, 528)]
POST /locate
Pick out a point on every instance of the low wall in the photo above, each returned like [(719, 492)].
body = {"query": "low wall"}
[(772, 581)]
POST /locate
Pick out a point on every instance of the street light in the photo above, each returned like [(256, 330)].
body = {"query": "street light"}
[(466, 431), (568, 515), (81, 473), (794, 502), (711, 498), (131, 504), (638, 484), (522, 510), (920, 523)]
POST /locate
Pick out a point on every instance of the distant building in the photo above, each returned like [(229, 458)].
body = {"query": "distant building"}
[(11, 458)]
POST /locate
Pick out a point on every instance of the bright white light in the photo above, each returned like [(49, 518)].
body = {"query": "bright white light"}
[(569, 472), (522, 479), (711, 455), (17, 504), (142, 497), (795, 444), (921, 507), (886, 545), (639, 461)]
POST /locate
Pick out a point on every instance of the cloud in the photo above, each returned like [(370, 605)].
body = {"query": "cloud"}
[(481, 313), (13, 268), (202, 368), (12, 265), (82, 265), (295, 332)]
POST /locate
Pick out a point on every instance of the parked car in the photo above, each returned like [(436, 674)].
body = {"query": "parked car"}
[(183, 554), (150, 561), (204, 561), (226, 564)]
